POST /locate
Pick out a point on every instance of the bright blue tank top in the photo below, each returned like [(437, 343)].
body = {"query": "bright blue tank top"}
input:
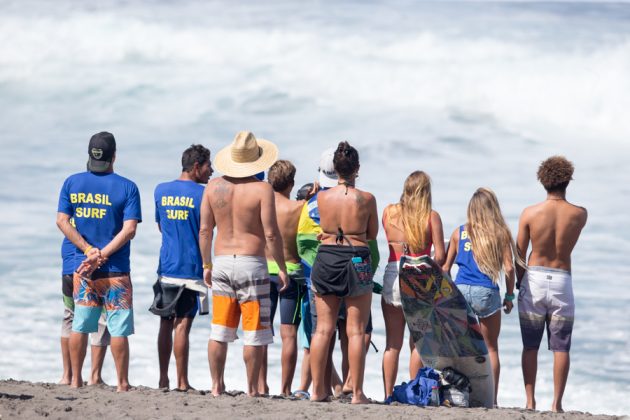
[(469, 272)]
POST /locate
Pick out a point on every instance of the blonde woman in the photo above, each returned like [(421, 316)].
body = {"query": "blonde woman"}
[(483, 248), (412, 227)]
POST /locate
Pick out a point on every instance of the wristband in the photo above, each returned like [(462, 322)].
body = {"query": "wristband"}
[(509, 297), (207, 266), (87, 249)]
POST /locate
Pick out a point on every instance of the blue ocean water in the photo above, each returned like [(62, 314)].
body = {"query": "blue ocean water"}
[(476, 94)]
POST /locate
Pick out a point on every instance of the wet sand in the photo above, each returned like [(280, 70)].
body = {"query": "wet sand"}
[(26, 400)]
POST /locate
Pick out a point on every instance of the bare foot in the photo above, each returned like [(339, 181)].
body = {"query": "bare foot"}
[(360, 398), (123, 388), (337, 391), (64, 381), (97, 381), (317, 398), (76, 382), (557, 408), (164, 384), (530, 405), (216, 391), (185, 388)]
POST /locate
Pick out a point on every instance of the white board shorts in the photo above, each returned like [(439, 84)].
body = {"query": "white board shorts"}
[(391, 285), (240, 289), (545, 299)]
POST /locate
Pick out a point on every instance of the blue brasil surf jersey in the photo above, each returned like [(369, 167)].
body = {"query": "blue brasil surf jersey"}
[(99, 204), (177, 211), (469, 272), (67, 255)]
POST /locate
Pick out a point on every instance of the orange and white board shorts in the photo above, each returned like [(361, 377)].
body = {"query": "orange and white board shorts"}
[(240, 286)]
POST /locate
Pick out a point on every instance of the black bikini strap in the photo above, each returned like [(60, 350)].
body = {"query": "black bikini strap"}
[(341, 237), (346, 184)]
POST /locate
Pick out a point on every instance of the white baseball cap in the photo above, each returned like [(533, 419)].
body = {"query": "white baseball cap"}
[(327, 174)]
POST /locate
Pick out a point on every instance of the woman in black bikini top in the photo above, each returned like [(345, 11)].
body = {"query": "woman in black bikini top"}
[(342, 270)]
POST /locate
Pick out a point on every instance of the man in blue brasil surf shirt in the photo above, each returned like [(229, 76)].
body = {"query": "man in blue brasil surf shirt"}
[(106, 212), (177, 205), (100, 339)]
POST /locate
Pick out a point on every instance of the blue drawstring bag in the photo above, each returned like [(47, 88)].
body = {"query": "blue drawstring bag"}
[(417, 391)]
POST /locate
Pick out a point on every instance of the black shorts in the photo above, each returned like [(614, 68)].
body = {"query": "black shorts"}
[(184, 305), (187, 305), (67, 285), (343, 271), (290, 302)]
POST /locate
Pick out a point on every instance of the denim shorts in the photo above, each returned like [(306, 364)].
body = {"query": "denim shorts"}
[(484, 301)]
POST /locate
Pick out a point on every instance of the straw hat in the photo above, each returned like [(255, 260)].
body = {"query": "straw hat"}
[(246, 156)]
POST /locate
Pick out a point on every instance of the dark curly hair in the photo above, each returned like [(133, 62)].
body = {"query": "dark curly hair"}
[(195, 153), (555, 173), (346, 160)]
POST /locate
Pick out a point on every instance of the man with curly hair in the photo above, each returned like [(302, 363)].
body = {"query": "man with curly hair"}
[(546, 293)]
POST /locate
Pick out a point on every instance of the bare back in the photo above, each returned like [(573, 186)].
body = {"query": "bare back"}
[(288, 215), (393, 226), (394, 231), (553, 228), (237, 206), (352, 210)]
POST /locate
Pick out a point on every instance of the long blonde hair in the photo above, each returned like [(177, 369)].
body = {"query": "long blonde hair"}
[(415, 207), (489, 234)]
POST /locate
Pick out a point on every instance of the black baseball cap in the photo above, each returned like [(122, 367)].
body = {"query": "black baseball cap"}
[(101, 151), (303, 191)]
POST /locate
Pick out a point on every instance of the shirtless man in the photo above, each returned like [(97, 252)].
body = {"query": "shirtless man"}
[(243, 210), (546, 294), (281, 176)]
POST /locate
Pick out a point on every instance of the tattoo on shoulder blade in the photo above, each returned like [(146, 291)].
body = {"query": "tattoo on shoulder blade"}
[(360, 199), (220, 193)]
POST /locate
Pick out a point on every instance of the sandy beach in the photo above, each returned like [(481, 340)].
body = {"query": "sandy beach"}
[(27, 400)]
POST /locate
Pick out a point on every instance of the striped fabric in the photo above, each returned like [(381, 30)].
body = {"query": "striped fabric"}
[(240, 288)]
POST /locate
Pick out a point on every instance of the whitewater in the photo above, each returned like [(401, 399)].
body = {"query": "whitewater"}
[(474, 93)]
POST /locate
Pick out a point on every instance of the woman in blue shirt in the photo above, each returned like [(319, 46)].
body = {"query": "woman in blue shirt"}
[(483, 249)]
